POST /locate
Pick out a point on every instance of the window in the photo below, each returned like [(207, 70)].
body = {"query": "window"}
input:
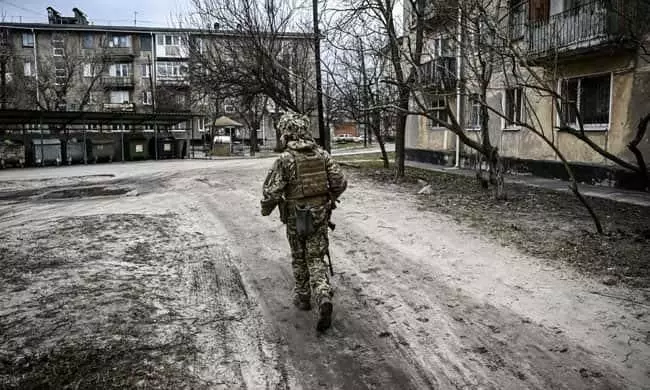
[(147, 98), (60, 74), (517, 19), (89, 70), (145, 42), (120, 70), (28, 40), (171, 70), (513, 106), (120, 97), (57, 45), (88, 42), (145, 70), (27, 66), (588, 96), (474, 117), (438, 111), (539, 10), (120, 41), (170, 45)]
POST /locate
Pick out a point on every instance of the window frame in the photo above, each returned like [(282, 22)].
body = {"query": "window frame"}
[(588, 126), (473, 101), (436, 107), (508, 123), (30, 42)]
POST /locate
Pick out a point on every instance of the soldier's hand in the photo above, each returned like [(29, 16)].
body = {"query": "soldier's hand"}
[(267, 207)]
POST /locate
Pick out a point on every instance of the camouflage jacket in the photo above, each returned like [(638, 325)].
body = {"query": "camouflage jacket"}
[(284, 171)]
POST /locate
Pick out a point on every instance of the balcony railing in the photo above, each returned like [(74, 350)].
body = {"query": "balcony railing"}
[(117, 81), (438, 74), (119, 107), (173, 81), (120, 51), (587, 26)]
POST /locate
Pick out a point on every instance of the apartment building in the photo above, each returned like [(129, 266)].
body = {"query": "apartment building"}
[(589, 53), (83, 78)]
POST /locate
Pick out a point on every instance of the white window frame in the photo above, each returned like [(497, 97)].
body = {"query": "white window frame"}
[(147, 98), (437, 108), (57, 51), (588, 126), (522, 118), (128, 97), (60, 75), (145, 70), (120, 70), (28, 69), (30, 40), (471, 105)]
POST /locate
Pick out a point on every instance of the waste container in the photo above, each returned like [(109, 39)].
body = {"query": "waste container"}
[(47, 151), (138, 149), (100, 150), (12, 153), (181, 148), (166, 147), (74, 151)]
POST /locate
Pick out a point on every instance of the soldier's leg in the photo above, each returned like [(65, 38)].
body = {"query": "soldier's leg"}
[(316, 246), (301, 291)]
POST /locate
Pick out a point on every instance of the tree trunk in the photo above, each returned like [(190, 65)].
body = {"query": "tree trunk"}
[(400, 136), (376, 129), (253, 139), (278, 147)]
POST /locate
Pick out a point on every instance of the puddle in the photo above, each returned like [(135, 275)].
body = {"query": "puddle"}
[(86, 192)]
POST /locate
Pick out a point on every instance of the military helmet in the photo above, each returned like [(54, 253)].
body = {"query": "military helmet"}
[(294, 126)]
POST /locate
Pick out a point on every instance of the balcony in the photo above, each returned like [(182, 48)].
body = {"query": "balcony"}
[(119, 107), (438, 75), (120, 53), (115, 82), (173, 81), (582, 29)]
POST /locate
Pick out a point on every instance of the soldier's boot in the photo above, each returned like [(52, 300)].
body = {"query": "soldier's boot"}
[(325, 315), (302, 303)]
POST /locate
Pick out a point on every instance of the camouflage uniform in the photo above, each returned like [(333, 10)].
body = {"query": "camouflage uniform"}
[(304, 176)]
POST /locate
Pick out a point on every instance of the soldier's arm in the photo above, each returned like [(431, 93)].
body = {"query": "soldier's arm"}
[(337, 181), (273, 188)]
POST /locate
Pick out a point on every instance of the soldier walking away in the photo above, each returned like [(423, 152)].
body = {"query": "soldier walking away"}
[(305, 183)]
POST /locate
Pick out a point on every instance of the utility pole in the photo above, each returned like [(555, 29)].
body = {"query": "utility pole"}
[(460, 78), (322, 133), (364, 76), (135, 18)]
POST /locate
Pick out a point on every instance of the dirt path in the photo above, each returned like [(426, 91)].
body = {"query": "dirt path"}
[(186, 285)]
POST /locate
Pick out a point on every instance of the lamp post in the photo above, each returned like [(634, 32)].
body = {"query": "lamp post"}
[(323, 135)]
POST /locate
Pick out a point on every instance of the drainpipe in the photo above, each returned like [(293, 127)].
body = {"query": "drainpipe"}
[(38, 101), (460, 106), (152, 71)]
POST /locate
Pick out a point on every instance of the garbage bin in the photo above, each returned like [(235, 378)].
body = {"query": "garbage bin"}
[(47, 151), (100, 150), (181, 148), (12, 152), (166, 147), (75, 151), (138, 149)]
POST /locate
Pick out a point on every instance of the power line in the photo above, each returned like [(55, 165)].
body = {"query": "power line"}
[(21, 7)]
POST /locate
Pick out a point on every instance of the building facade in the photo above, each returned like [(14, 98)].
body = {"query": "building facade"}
[(68, 65), (582, 64)]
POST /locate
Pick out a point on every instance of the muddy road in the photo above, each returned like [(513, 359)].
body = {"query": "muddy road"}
[(165, 275)]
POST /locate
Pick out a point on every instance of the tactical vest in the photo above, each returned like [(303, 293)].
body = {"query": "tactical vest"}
[(311, 176)]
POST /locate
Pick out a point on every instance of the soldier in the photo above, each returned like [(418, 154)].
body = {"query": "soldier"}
[(305, 183)]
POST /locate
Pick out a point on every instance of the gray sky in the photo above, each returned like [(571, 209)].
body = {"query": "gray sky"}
[(112, 12)]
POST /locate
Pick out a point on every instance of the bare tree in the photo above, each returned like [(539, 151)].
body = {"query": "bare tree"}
[(244, 48)]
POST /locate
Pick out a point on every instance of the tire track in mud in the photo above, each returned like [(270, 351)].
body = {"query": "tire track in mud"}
[(452, 340), (352, 354)]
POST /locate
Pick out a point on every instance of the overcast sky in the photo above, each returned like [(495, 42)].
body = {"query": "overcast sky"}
[(113, 12)]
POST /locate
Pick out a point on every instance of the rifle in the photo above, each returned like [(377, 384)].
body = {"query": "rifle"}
[(332, 226)]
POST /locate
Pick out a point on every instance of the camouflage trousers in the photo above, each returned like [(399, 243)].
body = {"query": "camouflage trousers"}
[(308, 262)]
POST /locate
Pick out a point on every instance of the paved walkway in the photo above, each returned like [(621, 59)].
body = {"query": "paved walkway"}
[(615, 194)]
